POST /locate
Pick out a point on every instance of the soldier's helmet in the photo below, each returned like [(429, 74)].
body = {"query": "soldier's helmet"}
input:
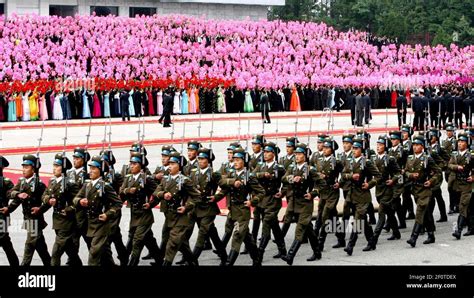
[(3, 162), (80, 152), (303, 148), (167, 150), (98, 162), (291, 142), (395, 135), (259, 139), (206, 153), (31, 160), (349, 138), (176, 157), (331, 143), (322, 137), (358, 143), (108, 156), (450, 127), (271, 147), (137, 147), (434, 132), (463, 137), (241, 153), (137, 157), (407, 128), (234, 145), (419, 139), (194, 145), (62, 161), (385, 140)]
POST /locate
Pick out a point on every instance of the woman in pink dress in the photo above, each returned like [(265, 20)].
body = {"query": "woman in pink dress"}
[(43, 109), (159, 102), (151, 108), (97, 113)]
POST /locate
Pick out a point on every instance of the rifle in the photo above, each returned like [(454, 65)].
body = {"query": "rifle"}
[(211, 133), (37, 166), (310, 128), (248, 135), (386, 120), (111, 155), (172, 134), (64, 169), (199, 126), (239, 128), (439, 113), (1, 161), (142, 152), (85, 151)]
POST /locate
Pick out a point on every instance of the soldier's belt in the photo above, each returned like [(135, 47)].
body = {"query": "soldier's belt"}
[(237, 202)]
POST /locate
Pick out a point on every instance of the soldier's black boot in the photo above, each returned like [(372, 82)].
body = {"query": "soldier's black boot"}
[(371, 213), (133, 261), (147, 257), (197, 252), (225, 239), (341, 241), (460, 226), (10, 252), (350, 245), (322, 240), (295, 246), (395, 235), (430, 239), (315, 245), (207, 245), (372, 243), (281, 251), (220, 248), (261, 248), (166, 263), (414, 235), (284, 229), (233, 254)]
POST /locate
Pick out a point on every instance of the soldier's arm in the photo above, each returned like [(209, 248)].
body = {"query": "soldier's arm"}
[(159, 192), (226, 182), (376, 176), (346, 175), (115, 202), (434, 171), (46, 195), (453, 165), (123, 190), (80, 195), (258, 192), (394, 169), (39, 192), (15, 191), (258, 173), (194, 195)]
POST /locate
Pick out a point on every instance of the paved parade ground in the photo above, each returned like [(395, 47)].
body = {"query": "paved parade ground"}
[(22, 138)]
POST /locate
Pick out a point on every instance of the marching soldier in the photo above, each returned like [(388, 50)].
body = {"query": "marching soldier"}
[(289, 158), (116, 180), (58, 195), (136, 147), (461, 165), (137, 189), (243, 191), (269, 175), (384, 191), (450, 145), (400, 155), (27, 193), (78, 175), (101, 203), (316, 155), (5, 241), (441, 157), (362, 175), (407, 132), (177, 197), (205, 211), (298, 187), (193, 147), (255, 159), (328, 168), (423, 172)]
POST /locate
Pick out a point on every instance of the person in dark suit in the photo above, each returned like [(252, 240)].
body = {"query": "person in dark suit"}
[(401, 108), (124, 105), (137, 102), (417, 106), (265, 106), (167, 107)]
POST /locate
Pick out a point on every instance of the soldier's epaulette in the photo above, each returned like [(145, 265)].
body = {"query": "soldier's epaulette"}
[(194, 169), (6, 179), (87, 180), (22, 179), (52, 178), (411, 156), (454, 153)]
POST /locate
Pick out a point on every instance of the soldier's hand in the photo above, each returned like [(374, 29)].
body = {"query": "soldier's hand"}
[(103, 217), (35, 210), (181, 210), (365, 185), (322, 176), (168, 196), (278, 195), (159, 176), (146, 206), (237, 184), (267, 175), (469, 179), (23, 195), (52, 202), (84, 202), (132, 190), (308, 196), (460, 168), (336, 185), (297, 179), (248, 204), (4, 210), (212, 198), (427, 184), (355, 177), (389, 182), (415, 176)]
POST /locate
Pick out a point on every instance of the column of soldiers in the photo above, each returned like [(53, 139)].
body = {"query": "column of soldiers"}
[(87, 196)]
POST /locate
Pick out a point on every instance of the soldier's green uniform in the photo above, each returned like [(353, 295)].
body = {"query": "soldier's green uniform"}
[(390, 172), (400, 154), (33, 223), (270, 204), (78, 177), (423, 165), (255, 159), (358, 199), (205, 212), (5, 186), (184, 194), (407, 205), (461, 185), (319, 152), (64, 215), (101, 199), (450, 146), (299, 206), (137, 190), (239, 213), (116, 180), (288, 160), (441, 157), (328, 168)]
